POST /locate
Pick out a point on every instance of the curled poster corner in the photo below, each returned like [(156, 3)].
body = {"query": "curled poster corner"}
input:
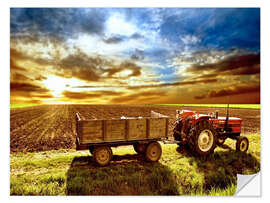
[(248, 185)]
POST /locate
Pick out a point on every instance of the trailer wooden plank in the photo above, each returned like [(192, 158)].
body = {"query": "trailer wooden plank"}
[(137, 129), (92, 131), (157, 127), (88, 138), (115, 130)]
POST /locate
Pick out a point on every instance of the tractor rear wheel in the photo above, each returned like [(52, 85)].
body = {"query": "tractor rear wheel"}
[(102, 155), (242, 144), (153, 152), (139, 148), (204, 138)]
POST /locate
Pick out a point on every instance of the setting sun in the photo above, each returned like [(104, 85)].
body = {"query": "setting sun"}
[(57, 85)]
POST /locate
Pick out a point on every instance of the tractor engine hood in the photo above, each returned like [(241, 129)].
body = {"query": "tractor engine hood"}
[(221, 118)]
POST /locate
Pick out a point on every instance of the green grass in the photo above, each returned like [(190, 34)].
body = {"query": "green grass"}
[(241, 106), (14, 106), (70, 172)]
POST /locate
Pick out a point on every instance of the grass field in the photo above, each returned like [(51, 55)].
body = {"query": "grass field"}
[(241, 106), (68, 172)]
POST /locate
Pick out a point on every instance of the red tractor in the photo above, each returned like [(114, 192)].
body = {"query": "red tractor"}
[(202, 132)]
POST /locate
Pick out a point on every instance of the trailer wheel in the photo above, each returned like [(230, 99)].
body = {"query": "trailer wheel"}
[(153, 151), (204, 138), (102, 155), (139, 148), (242, 144), (221, 140)]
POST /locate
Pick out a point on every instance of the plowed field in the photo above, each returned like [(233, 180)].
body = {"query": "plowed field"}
[(50, 127)]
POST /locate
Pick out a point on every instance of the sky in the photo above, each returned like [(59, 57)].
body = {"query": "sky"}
[(134, 55)]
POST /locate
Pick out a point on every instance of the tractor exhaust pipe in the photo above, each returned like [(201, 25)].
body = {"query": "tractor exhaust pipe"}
[(216, 114)]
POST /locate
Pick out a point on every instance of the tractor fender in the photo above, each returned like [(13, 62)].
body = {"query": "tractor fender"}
[(202, 118)]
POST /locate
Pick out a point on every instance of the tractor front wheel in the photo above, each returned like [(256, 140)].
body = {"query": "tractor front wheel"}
[(242, 144), (204, 138)]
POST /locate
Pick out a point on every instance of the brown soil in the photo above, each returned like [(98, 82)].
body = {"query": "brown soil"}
[(50, 127)]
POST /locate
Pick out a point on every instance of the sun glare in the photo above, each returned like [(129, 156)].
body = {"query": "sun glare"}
[(58, 84)]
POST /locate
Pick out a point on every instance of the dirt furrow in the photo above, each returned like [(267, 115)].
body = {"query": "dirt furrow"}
[(31, 131)]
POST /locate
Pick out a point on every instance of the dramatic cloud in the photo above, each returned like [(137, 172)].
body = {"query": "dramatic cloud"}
[(27, 91), (19, 77), (236, 65), (89, 95), (15, 67), (136, 36), (173, 84), (57, 22), (91, 68), (135, 70), (142, 97), (234, 90), (154, 86), (40, 78), (114, 40), (81, 66), (229, 91), (26, 87), (137, 55)]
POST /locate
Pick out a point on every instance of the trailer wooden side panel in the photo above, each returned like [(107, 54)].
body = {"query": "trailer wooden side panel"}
[(91, 131), (136, 129), (115, 130), (127, 129), (157, 128)]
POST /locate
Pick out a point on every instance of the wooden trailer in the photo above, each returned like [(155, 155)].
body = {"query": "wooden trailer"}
[(99, 135)]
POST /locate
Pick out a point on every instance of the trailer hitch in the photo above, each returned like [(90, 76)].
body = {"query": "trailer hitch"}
[(171, 142)]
